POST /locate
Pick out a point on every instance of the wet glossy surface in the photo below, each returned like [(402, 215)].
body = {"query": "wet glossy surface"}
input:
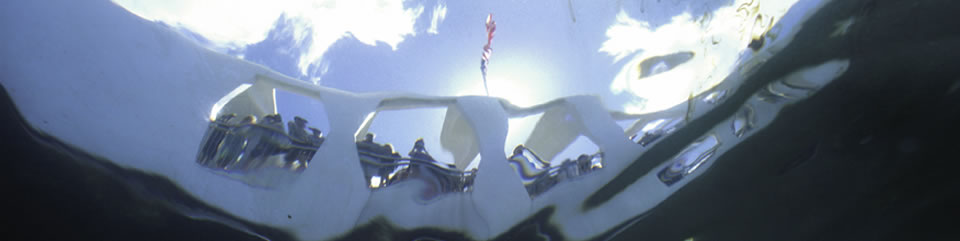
[(744, 121), (241, 145), (384, 167), (689, 160), (539, 176), (844, 160)]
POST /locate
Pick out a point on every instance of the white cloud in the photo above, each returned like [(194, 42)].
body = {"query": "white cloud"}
[(223, 22), (237, 23), (439, 13)]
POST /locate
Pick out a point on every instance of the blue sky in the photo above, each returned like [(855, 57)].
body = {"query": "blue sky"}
[(543, 50)]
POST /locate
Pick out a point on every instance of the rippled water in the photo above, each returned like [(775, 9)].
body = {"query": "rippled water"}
[(841, 133)]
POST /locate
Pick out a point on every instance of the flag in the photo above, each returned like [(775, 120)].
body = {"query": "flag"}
[(487, 50)]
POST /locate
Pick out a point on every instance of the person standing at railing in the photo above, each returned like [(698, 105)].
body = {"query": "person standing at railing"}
[(297, 129), (419, 151)]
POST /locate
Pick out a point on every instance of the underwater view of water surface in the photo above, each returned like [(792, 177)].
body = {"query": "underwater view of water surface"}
[(480, 120)]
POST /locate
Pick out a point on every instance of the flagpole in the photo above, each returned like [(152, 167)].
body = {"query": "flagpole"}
[(485, 89)]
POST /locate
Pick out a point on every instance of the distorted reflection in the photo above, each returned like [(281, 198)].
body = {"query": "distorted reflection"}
[(652, 131), (538, 176), (743, 121), (715, 97), (442, 160), (664, 63), (241, 145), (775, 92), (689, 160), (384, 167), (555, 150), (802, 83), (659, 64)]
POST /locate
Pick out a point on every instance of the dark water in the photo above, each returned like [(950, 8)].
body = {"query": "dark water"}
[(872, 156)]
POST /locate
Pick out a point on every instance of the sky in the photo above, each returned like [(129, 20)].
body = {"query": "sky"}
[(542, 50)]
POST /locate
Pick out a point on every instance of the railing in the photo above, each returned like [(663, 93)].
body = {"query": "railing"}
[(240, 145)]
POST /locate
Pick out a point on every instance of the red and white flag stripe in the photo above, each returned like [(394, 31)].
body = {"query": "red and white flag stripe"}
[(487, 50)]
